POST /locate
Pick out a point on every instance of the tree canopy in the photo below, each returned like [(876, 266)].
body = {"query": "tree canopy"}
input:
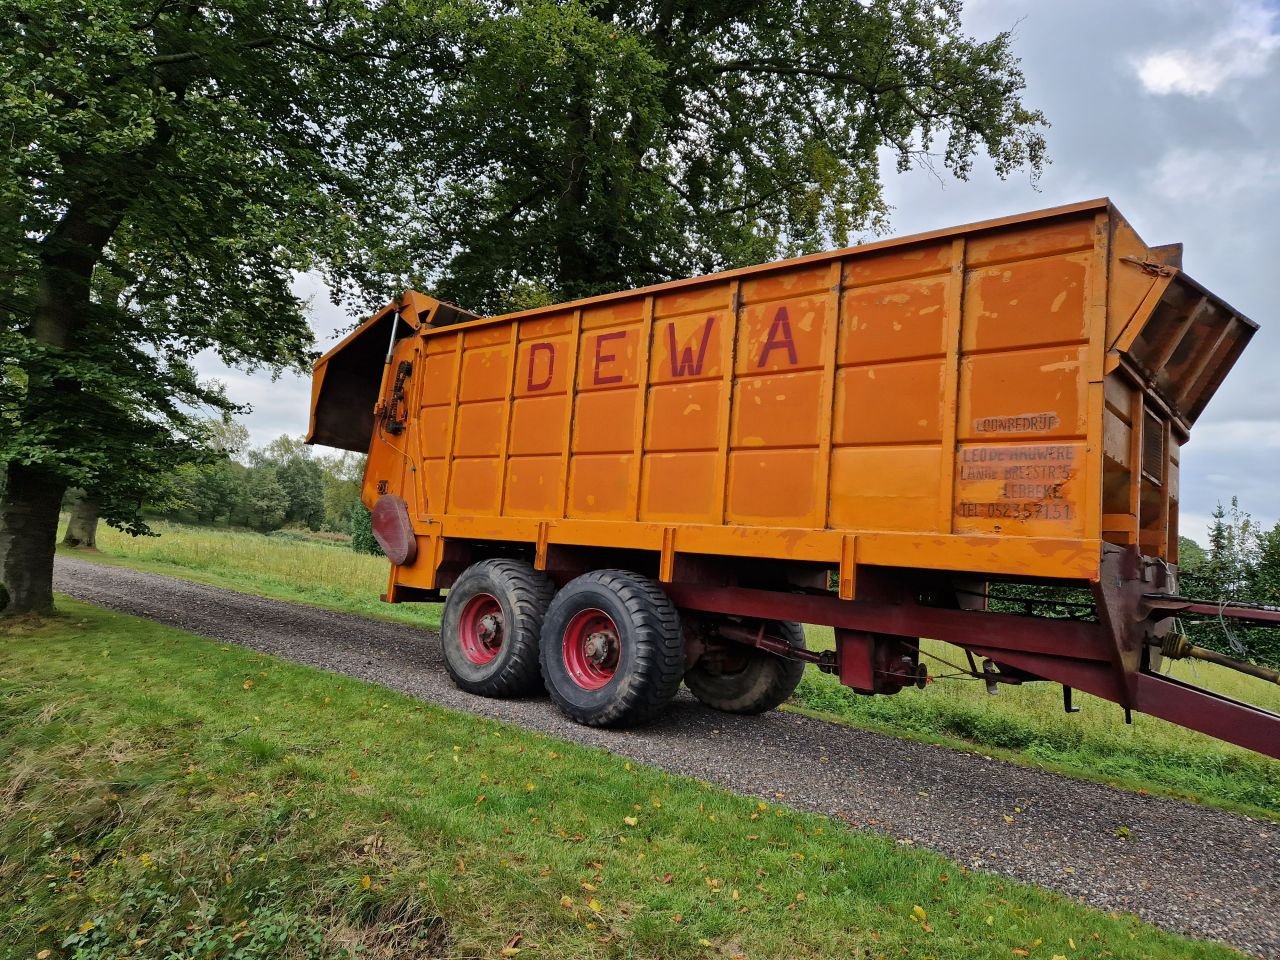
[(167, 169), (590, 147)]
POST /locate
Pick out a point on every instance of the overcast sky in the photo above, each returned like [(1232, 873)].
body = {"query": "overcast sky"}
[(1172, 109)]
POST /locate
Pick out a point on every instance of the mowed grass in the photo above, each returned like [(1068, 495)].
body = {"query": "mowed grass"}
[(165, 796), (1027, 724), (1024, 724)]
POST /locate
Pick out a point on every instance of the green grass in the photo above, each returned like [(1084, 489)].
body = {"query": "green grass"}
[(284, 567), (166, 796), (1024, 724)]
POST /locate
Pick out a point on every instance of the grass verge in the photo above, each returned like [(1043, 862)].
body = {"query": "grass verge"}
[(165, 796), (322, 574), (1023, 724)]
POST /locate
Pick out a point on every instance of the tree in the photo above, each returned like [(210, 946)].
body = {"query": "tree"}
[(203, 492), (1241, 563), (165, 170), (362, 538), (598, 146), (263, 501), (301, 478), (343, 475), (1190, 555)]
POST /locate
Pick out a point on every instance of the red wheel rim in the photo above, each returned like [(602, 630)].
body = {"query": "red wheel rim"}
[(591, 648), (481, 629)]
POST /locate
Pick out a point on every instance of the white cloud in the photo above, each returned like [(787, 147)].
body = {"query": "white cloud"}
[(1215, 174), (1237, 436), (1241, 50)]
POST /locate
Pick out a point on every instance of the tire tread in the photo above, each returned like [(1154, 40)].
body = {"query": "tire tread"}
[(779, 676), (529, 593), (659, 654)]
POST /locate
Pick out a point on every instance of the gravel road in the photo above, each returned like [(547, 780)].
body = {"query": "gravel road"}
[(1185, 868)]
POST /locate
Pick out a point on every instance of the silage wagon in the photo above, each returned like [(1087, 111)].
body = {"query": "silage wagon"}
[(657, 485)]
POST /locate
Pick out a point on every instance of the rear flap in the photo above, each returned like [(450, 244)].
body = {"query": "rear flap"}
[(347, 381), (1182, 340)]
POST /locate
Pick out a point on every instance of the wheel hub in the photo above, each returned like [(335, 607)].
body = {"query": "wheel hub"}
[(591, 648), (489, 630), (481, 628), (599, 647)]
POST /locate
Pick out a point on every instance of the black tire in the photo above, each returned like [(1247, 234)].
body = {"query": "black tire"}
[(642, 665), (747, 679), (515, 597)]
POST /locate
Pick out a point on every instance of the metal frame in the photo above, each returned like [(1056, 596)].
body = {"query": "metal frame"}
[(1113, 658)]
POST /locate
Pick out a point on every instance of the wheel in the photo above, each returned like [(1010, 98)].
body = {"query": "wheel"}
[(612, 652), (740, 679), (491, 625)]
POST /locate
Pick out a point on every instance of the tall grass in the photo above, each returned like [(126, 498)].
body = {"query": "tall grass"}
[(310, 570)]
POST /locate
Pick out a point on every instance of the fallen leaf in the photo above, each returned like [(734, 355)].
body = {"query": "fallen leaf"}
[(667, 878), (566, 902), (595, 905), (366, 882), (918, 912), (630, 821), (247, 685)]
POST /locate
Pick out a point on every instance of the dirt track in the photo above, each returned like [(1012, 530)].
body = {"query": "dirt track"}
[(1185, 868)]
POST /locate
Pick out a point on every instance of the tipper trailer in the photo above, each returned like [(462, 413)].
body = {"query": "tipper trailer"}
[(657, 485)]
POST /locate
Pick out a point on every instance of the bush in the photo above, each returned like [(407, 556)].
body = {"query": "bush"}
[(362, 539)]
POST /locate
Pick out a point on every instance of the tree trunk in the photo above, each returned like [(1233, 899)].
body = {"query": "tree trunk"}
[(82, 531), (28, 532)]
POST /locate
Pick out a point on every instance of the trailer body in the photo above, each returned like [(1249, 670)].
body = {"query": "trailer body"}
[(1006, 400)]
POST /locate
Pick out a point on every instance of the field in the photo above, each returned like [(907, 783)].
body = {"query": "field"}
[(165, 796), (1023, 724), (285, 565)]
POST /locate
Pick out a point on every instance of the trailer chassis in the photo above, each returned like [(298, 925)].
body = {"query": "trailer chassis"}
[(1116, 657)]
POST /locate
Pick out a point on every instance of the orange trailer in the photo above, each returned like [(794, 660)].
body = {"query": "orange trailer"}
[(864, 438)]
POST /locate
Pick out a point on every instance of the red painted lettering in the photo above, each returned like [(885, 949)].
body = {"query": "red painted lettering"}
[(603, 358), (550, 351), (779, 338), (684, 364)]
